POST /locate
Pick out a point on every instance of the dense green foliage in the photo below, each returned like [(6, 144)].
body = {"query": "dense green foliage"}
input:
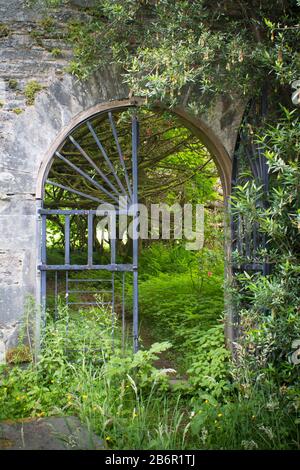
[(181, 297), (270, 318), (128, 401)]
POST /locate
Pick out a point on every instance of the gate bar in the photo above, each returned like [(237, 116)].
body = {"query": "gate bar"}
[(90, 239), (135, 239), (115, 134), (75, 191), (44, 274), (93, 164), (87, 177), (106, 158), (86, 267), (67, 239)]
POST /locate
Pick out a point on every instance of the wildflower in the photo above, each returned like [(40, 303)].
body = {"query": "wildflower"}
[(253, 417), (272, 405), (267, 431), (108, 438), (283, 389), (249, 445), (209, 273), (204, 434), (219, 415), (192, 414)]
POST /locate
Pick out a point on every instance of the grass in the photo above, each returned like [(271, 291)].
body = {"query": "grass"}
[(128, 402), (127, 399)]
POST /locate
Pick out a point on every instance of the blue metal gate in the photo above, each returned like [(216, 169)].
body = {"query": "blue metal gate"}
[(115, 180), (250, 164), (248, 242)]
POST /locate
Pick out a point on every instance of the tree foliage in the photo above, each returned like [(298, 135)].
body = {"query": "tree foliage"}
[(170, 50)]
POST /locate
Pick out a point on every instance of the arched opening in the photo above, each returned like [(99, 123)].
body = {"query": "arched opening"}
[(93, 164)]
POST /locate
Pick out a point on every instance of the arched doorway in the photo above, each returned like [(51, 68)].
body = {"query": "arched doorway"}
[(107, 178)]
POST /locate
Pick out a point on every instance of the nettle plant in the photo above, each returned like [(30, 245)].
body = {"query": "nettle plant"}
[(269, 305)]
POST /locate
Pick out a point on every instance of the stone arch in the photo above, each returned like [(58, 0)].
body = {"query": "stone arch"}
[(198, 127), (29, 146)]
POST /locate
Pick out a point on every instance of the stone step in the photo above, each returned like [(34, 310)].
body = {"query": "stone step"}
[(53, 433)]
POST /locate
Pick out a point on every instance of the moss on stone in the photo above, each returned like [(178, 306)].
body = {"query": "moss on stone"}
[(19, 355), (31, 89), (47, 24), (4, 30), (13, 83), (56, 52), (17, 110)]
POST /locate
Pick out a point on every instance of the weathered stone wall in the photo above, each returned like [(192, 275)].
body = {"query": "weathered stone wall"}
[(28, 40)]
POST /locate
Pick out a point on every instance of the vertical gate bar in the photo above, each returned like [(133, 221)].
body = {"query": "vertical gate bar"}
[(38, 283), (113, 308), (112, 237), (67, 301), (44, 273), (135, 238), (67, 288), (55, 295), (90, 238), (43, 296), (67, 239), (44, 239), (123, 311)]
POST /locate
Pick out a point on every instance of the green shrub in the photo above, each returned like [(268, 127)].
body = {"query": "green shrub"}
[(260, 418), (180, 305), (209, 372)]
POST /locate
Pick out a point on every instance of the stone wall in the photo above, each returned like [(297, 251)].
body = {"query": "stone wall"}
[(29, 42)]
